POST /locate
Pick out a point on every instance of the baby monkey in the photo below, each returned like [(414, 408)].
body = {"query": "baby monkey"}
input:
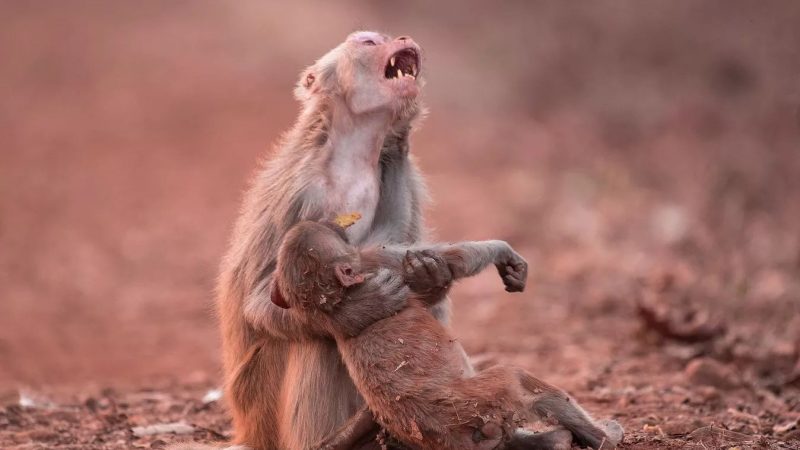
[(406, 366)]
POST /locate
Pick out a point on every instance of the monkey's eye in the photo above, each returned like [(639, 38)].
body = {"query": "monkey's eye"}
[(368, 42)]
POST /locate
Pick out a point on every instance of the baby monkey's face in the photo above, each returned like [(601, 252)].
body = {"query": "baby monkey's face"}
[(315, 266), (370, 70)]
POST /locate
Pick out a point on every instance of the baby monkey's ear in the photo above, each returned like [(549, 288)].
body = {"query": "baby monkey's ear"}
[(346, 275)]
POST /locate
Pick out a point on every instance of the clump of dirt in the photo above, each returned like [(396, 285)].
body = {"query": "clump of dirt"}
[(693, 415), (114, 419)]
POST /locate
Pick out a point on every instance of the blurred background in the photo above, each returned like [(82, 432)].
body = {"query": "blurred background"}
[(644, 157)]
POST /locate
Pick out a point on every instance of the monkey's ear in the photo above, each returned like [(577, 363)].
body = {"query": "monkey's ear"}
[(346, 275), (277, 298), (305, 85), (319, 78), (309, 80)]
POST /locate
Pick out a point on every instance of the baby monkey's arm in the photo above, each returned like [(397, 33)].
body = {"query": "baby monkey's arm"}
[(463, 259), (403, 265), (466, 259)]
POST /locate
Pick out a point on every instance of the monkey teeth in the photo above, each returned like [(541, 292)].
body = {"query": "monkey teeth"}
[(403, 63), (401, 74)]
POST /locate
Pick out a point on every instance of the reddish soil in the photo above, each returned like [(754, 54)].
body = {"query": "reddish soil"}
[(640, 157)]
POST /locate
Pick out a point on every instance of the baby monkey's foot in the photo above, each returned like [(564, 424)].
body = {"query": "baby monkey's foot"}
[(556, 439), (614, 433)]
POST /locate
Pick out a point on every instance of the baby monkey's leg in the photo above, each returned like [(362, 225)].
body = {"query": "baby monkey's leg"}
[(505, 382), (547, 402), (551, 402)]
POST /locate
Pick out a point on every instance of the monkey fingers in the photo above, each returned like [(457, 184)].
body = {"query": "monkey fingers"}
[(437, 268), (513, 270), (426, 271), (386, 286), (513, 282), (517, 264), (381, 295)]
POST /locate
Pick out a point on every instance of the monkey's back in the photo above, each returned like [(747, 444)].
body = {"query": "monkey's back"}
[(410, 372)]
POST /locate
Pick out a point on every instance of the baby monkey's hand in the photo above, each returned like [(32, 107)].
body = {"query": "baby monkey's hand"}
[(513, 269), (426, 272)]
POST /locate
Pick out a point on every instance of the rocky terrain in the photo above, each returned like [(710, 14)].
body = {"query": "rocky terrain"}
[(645, 159)]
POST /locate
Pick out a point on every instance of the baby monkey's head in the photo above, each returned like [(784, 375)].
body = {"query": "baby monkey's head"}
[(370, 71), (316, 264)]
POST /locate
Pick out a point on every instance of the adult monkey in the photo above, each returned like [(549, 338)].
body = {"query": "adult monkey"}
[(348, 151)]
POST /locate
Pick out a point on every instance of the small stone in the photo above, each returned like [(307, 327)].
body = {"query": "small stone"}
[(652, 429), (212, 395), (708, 372), (163, 428)]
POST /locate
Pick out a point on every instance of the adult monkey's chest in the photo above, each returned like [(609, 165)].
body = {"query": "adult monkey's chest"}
[(354, 188)]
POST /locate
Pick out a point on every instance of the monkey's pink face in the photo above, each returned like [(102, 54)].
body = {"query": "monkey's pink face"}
[(383, 68), (371, 71)]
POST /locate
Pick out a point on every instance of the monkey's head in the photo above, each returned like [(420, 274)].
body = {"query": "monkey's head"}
[(370, 72), (316, 264)]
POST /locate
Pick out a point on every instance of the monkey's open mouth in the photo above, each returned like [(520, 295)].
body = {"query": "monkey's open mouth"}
[(403, 63)]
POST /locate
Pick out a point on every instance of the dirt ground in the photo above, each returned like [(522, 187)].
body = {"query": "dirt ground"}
[(645, 159)]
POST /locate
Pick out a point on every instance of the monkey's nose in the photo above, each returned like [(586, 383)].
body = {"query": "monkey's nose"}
[(403, 38)]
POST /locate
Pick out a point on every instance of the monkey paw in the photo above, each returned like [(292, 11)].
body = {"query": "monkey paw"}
[(514, 272), (426, 271)]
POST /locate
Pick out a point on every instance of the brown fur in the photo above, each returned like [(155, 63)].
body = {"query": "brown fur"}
[(285, 383), (407, 366)]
